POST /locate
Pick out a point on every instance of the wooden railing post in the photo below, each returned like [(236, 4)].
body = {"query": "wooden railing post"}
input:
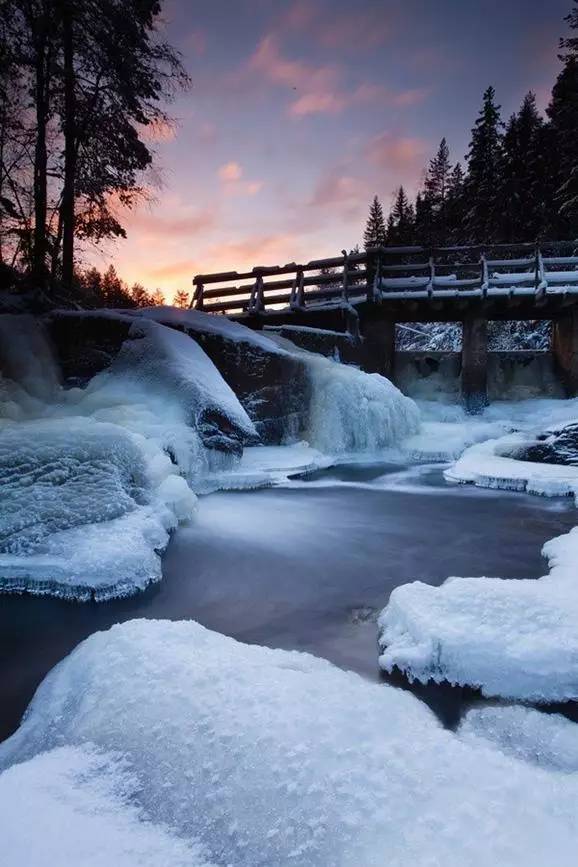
[(373, 274), (297, 299), (432, 274), (257, 299), (345, 284), (484, 278), (197, 299), (540, 279)]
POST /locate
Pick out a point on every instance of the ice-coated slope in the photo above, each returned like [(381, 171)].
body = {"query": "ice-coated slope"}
[(352, 411), (545, 739), (266, 757), (510, 638), (344, 411), (86, 507), (93, 480), (74, 807)]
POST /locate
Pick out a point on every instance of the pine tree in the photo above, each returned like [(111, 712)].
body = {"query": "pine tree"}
[(375, 233), (483, 185), (436, 193), (563, 114), (403, 221), (523, 174), (423, 231), (455, 205)]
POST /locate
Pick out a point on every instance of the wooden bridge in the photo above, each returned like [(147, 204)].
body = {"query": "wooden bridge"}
[(367, 293)]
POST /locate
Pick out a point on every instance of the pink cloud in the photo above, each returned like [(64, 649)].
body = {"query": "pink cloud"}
[(154, 225), (412, 96), (335, 187), (358, 29), (231, 171), (320, 89), (396, 152)]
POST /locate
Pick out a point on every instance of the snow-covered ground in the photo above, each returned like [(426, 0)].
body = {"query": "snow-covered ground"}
[(256, 757)]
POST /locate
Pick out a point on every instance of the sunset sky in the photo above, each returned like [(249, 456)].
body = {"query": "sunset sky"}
[(301, 111)]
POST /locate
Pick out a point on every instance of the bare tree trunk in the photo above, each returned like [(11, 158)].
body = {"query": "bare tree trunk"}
[(40, 152), (67, 206)]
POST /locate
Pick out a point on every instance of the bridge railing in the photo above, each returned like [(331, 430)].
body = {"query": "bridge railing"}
[(395, 272)]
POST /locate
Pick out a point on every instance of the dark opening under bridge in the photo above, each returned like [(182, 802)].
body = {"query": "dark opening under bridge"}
[(367, 293)]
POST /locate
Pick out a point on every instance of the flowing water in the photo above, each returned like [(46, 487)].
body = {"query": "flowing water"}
[(305, 567)]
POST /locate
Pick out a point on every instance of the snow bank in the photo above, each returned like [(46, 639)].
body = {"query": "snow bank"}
[(72, 807), (86, 508), (489, 465), (93, 480), (515, 639), (547, 740), (266, 757)]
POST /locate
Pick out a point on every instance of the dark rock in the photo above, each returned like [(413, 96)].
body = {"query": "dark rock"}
[(86, 344), (272, 386), (341, 346), (554, 447)]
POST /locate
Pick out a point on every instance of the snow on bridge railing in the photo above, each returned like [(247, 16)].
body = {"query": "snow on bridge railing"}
[(395, 272)]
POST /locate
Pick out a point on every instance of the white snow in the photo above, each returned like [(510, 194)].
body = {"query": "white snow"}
[(352, 411), (93, 480), (489, 465), (74, 807), (262, 466), (265, 757), (510, 638), (197, 321), (545, 739)]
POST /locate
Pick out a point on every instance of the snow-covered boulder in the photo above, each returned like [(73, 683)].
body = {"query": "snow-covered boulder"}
[(511, 638), (266, 757), (74, 807), (93, 479), (86, 508), (292, 394), (157, 363), (270, 382)]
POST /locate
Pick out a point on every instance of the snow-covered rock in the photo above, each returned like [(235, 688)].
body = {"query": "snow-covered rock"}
[(545, 739), (492, 464), (292, 394), (264, 757), (510, 638), (94, 479), (74, 807)]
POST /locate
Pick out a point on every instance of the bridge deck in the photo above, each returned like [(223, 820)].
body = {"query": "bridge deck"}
[(523, 281)]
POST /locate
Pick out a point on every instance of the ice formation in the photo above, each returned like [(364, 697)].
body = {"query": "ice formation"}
[(267, 757), (492, 464), (80, 803), (548, 740), (93, 480), (510, 638), (349, 411)]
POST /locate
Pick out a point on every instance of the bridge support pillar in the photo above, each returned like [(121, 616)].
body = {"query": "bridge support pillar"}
[(379, 347), (565, 350), (475, 364)]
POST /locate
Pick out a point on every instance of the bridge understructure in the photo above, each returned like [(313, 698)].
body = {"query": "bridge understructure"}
[(366, 294)]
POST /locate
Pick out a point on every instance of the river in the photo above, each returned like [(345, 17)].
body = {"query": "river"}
[(306, 566)]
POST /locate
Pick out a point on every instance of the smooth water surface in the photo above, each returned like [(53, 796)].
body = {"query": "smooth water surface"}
[(305, 567)]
